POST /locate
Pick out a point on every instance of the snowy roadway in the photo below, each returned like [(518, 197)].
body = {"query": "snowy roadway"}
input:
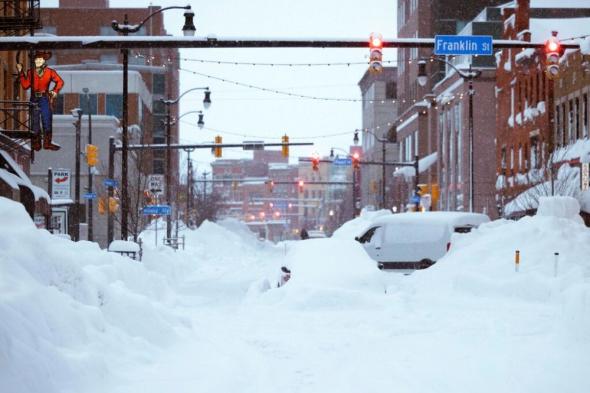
[(204, 319)]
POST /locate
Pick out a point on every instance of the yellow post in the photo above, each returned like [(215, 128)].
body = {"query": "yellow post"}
[(516, 260)]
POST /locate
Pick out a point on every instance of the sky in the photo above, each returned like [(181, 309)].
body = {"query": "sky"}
[(257, 115)]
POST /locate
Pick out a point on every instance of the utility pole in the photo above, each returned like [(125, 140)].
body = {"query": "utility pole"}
[(77, 124), (383, 175), (90, 204), (110, 218), (205, 187), (168, 170)]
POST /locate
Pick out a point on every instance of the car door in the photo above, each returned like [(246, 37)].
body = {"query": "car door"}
[(370, 241)]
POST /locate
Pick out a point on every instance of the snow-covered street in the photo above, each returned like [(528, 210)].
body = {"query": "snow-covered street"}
[(74, 318)]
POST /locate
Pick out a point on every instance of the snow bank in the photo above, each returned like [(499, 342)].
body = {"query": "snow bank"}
[(71, 313)]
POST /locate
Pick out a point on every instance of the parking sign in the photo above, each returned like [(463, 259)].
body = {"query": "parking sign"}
[(60, 184)]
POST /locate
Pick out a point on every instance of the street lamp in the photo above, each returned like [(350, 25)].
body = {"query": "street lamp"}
[(77, 114), (125, 28), (85, 90), (169, 102), (468, 76), (383, 142)]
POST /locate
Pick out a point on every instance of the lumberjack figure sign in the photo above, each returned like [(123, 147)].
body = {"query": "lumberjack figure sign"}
[(39, 80)]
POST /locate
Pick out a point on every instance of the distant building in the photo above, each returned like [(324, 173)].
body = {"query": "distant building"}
[(379, 116)]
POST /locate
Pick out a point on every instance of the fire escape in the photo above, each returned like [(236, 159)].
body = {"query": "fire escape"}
[(17, 17)]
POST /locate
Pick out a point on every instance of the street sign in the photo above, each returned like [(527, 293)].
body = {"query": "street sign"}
[(90, 195), (342, 161), (156, 184), (253, 145), (457, 45), (60, 184), (161, 210), (110, 182)]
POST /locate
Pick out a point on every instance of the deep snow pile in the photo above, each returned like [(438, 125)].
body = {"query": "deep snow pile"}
[(75, 318)]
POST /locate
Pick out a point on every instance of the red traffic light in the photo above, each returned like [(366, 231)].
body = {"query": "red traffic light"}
[(376, 41), (356, 160), (315, 163), (553, 51), (300, 185)]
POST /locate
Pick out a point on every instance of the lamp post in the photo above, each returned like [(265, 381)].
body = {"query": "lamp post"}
[(383, 142), (77, 113), (189, 170), (125, 28), (468, 76), (90, 204), (169, 102)]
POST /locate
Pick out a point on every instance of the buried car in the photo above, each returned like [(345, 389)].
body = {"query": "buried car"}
[(415, 240)]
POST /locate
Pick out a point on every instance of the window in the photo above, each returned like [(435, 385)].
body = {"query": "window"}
[(114, 105), (159, 82), (59, 105), (390, 90), (534, 153), (512, 157), (570, 118), (557, 124), (564, 122), (585, 117), (520, 157), (158, 167), (86, 100), (577, 114), (503, 158)]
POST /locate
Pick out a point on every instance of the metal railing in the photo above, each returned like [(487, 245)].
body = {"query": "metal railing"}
[(19, 15)]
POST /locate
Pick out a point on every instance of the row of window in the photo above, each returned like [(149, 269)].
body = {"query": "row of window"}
[(408, 148), (89, 104), (405, 9), (571, 120), (522, 158)]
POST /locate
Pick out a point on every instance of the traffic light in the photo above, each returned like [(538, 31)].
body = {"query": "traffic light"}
[(553, 51), (315, 163), (285, 147), (91, 155), (113, 205), (217, 150), (102, 209), (356, 162), (376, 53), (301, 184)]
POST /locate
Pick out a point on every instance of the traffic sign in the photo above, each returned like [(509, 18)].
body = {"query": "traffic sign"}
[(110, 182), (60, 188), (463, 45), (342, 161), (156, 184), (161, 210), (90, 195)]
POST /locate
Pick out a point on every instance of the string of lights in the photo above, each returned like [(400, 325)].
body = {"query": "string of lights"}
[(170, 59)]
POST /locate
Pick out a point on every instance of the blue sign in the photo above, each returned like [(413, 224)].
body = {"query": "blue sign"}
[(342, 161), (110, 182), (90, 195), (463, 45), (160, 210), (415, 199)]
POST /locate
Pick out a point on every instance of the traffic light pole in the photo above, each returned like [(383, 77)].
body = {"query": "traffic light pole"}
[(90, 179), (78, 125), (168, 169), (110, 218)]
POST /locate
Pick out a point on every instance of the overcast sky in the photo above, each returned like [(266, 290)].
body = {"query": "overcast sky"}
[(266, 116)]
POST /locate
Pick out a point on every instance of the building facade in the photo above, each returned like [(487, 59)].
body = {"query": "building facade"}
[(538, 118), (379, 115)]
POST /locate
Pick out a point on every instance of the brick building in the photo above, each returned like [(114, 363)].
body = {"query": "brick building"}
[(17, 18), (536, 115), (417, 132), (93, 82)]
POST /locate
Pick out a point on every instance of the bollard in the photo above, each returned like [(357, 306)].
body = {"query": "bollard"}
[(555, 263), (516, 260)]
